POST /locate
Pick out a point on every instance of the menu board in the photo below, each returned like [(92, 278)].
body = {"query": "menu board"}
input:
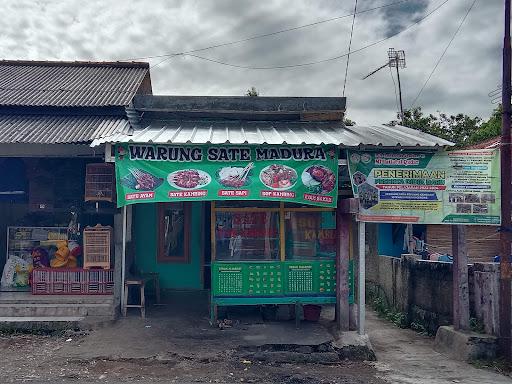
[(266, 279), (444, 187), (300, 278), (305, 174)]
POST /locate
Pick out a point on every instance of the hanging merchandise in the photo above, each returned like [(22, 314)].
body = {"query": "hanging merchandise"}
[(63, 258), (16, 272)]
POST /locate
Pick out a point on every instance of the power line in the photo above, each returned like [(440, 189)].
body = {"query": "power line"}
[(265, 34), (442, 55), (349, 46), (318, 61)]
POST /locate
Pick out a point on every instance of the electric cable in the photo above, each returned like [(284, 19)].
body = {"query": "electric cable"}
[(265, 34), (442, 55), (318, 61), (349, 47)]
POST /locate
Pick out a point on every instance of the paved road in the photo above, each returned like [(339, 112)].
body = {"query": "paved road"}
[(406, 357)]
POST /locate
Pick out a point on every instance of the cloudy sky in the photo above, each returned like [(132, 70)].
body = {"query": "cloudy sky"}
[(126, 29)]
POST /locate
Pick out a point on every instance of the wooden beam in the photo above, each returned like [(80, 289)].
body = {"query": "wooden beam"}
[(460, 278), (342, 266), (361, 293)]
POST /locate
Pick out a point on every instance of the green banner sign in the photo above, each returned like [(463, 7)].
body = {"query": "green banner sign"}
[(161, 173), (455, 187)]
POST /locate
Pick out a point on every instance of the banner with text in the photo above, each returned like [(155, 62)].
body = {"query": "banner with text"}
[(161, 173), (455, 187)]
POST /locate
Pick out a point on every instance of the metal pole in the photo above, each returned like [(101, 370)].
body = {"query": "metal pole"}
[(506, 190), (399, 90), (361, 281), (123, 261)]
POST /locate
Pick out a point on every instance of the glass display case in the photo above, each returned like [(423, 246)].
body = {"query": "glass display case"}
[(22, 240)]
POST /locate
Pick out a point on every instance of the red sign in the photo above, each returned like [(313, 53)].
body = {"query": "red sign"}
[(285, 194), (187, 194), (140, 196), (233, 192), (318, 198)]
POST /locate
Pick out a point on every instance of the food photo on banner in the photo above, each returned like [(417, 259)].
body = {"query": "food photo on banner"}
[(444, 187), (148, 173)]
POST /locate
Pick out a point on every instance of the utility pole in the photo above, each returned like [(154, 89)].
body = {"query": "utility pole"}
[(396, 59), (506, 203)]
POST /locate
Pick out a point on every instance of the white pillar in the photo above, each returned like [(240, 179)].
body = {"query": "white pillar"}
[(123, 260), (361, 280)]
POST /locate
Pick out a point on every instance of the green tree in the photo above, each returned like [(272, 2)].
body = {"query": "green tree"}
[(490, 128), (459, 129), (252, 92), (348, 122)]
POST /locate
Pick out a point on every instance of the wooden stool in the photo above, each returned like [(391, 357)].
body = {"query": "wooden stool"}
[(155, 277), (137, 283)]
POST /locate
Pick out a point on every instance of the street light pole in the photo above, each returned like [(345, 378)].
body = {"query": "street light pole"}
[(506, 199)]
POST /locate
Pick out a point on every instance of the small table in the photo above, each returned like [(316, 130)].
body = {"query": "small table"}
[(141, 283)]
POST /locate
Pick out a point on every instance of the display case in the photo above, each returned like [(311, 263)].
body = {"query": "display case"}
[(22, 240)]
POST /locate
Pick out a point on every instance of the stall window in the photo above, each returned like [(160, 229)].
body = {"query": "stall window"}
[(310, 234), (247, 235), (173, 233), (248, 230)]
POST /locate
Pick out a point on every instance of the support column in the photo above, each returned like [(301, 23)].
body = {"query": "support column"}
[(123, 259), (342, 266), (361, 281), (118, 255), (460, 279)]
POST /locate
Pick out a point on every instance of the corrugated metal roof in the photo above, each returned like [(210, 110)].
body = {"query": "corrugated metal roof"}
[(494, 142), (69, 84), (58, 129), (264, 132)]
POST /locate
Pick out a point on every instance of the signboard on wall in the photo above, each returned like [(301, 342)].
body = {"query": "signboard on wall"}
[(277, 279), (148, 173), (455, 187)]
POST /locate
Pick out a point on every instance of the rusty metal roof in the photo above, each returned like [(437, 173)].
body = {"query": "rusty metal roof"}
[(58, 129), (69, 84), (273, 132)]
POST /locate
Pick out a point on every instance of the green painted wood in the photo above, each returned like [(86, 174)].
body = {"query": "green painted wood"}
[(172, 275), (226, 301), (258, 281)]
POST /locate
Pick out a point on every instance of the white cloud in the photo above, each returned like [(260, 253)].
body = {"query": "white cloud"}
[(100, 30)]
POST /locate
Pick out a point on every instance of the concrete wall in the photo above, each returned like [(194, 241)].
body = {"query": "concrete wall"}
[(172, 275), (422, 290)]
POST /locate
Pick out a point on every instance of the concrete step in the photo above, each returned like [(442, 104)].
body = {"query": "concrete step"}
[(27, 297), (56, 309), (41, 323)]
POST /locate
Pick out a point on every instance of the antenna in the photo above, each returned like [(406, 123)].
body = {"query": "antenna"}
[(396, 59)]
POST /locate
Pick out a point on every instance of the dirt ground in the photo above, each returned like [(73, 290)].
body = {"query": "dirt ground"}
[(36, 359), (176, 344)]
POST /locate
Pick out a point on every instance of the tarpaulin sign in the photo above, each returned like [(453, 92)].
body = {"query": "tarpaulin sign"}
[(148, 173), (445, 187)]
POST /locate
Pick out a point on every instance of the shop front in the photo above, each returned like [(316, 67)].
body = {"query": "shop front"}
[(253, 224)]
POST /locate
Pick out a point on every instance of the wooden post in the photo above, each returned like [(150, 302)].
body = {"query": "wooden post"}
[(118, 255), (460, 278), (342, 265), (123, 260), (361, 296)]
